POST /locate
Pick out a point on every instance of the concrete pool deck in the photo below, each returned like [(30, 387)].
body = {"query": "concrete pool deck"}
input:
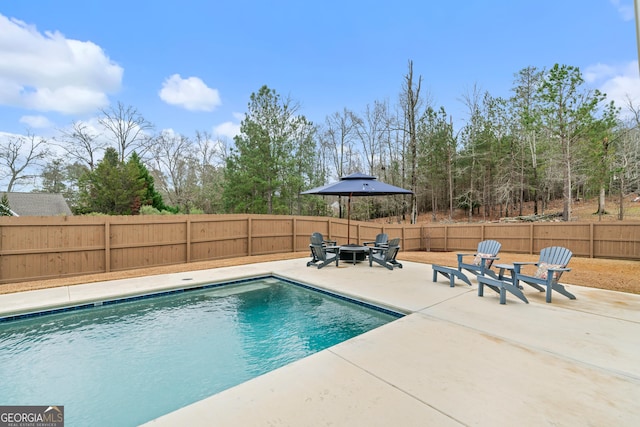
[(455, 359)]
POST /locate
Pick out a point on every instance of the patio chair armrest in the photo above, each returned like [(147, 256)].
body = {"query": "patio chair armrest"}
[(460, 256), (517, 265), (559, 269), (383, 249), (491, 258)]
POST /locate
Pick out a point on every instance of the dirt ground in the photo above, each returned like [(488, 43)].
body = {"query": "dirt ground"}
[(581, 211), (616, 275)]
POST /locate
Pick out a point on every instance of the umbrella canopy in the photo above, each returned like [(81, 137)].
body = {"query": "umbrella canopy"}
[(356, 184)]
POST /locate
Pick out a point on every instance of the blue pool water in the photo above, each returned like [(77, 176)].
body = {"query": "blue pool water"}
[(127, 363)]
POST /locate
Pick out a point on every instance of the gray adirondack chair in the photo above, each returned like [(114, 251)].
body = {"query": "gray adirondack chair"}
[(550, 266), (322, 253), (386, 256), (320, 248), (482, 260), (317, 238), (382, 239)]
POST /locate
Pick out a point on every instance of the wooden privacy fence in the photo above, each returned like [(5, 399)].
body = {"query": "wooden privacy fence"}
[(34, 248)]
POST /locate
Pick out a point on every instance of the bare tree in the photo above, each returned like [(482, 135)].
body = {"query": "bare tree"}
[(81, 144), (209, 157), (394, 148), (128, 128), (212, 151), (19, 155), (470, 134), (633, 171), (411, 102), (524, 107), (627, 156), (337, 140), (171, 156), (371, 130), (634, 110)]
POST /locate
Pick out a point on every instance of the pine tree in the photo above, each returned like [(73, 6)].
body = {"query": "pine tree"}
[(113, 188), (567, 113), (5, 210), (262, 174), (151, 196)]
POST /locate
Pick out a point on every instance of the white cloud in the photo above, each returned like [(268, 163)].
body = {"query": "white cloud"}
[(37, 122), (169, 133), (227, 129), (48, 72), (190, 93), (620, 82), (598, 72), (625, 9), (231, 128)]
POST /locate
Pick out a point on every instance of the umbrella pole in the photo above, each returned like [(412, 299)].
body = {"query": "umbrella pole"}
[(349, 220)]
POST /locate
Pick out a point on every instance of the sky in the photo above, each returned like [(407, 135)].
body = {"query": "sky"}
[(192, 65)]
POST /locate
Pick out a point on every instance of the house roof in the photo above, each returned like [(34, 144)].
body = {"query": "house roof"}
[(37, 204)]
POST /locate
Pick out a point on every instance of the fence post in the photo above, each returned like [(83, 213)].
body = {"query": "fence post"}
[(107, 246), (188, 225), (294, 234), (446, 235), (531, 238), (249, 238), (591, 240)]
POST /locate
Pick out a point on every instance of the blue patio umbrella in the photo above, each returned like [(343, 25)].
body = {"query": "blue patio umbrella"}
[(356, 184)]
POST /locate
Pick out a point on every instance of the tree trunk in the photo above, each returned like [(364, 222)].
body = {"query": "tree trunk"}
[(601, 202), (621, 202), (411, 106), (566, 191)]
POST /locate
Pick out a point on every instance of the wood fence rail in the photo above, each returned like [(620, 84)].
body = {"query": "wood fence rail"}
[(35, 248)]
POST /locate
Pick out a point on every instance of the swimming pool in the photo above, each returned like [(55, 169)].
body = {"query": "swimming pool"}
[(127, 363)]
